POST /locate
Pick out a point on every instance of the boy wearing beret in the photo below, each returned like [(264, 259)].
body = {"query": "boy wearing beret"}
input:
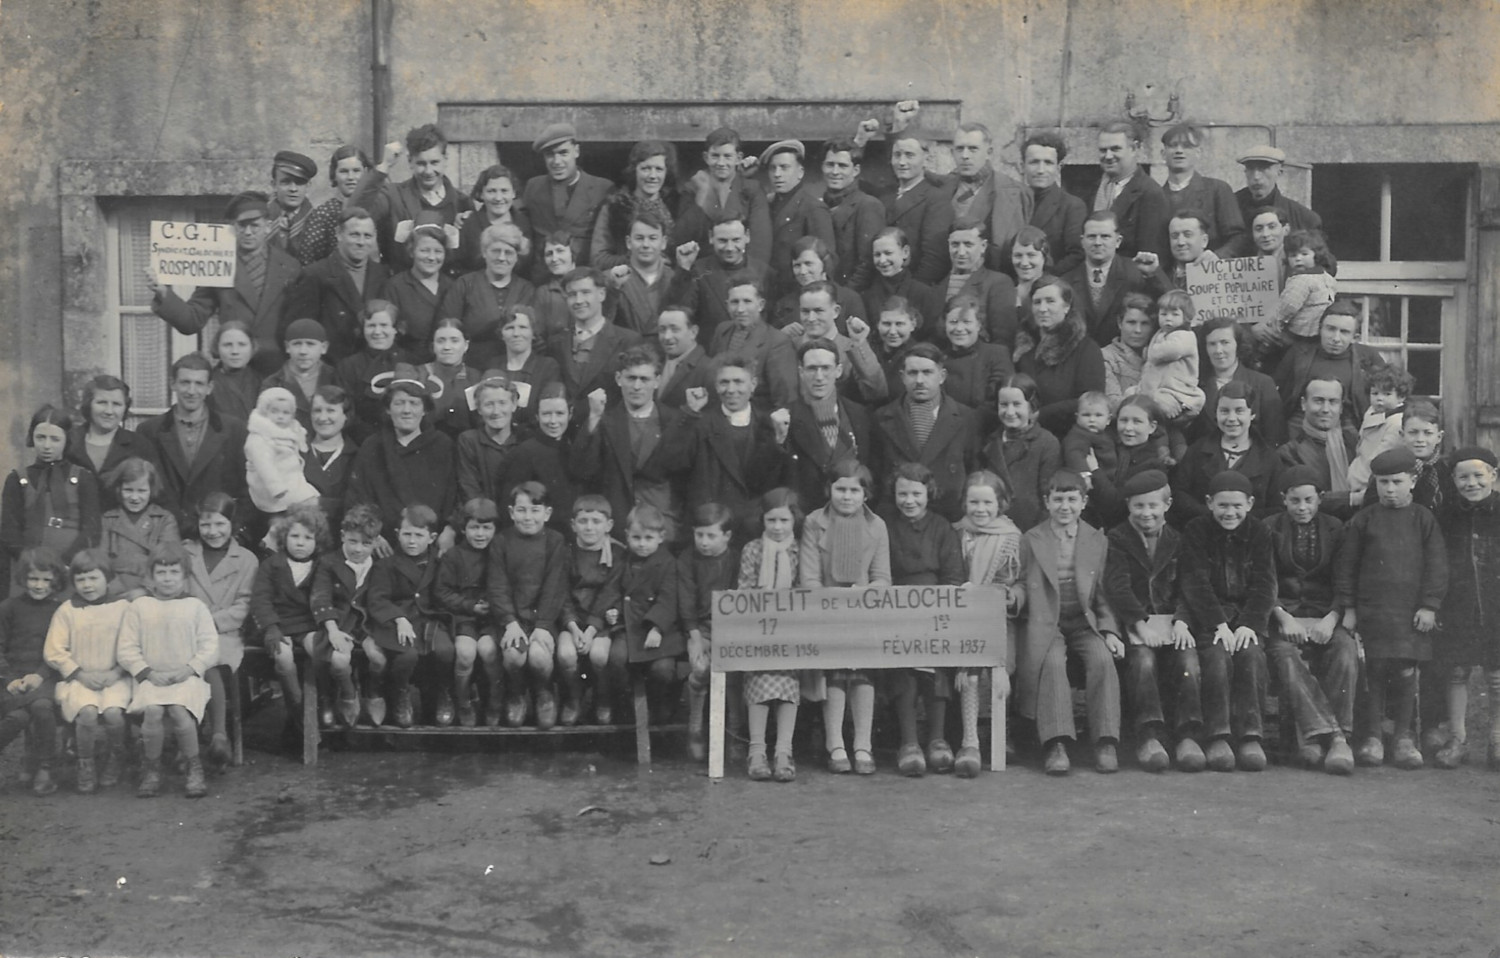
[(1140, 580), (1390, 576), (1228, 582), (1306, 635)]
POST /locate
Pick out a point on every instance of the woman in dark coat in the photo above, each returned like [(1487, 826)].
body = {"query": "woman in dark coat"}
[(1066, 362), (494, 197), (406, 462), (479, 300), (650, 183), (102, 442), (1223, 342), (1234, 444)]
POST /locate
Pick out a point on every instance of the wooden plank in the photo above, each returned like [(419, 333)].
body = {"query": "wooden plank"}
[(718, 684), (997, 719), (451, 731), (642, 723), (310, 714)]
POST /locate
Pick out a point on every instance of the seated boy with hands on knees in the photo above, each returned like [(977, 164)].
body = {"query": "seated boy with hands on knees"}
[(401, 627), (1228, 582), (1141, 581), (168, 643), (1065, 615), (592, 606), (339, 598), (527, 588), (1306, 541), (1390, 577)]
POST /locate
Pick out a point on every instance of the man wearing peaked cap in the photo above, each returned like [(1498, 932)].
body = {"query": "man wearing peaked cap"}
[(563, 198), (263, 274), (290, 173), (1263, 165), (795, 212)]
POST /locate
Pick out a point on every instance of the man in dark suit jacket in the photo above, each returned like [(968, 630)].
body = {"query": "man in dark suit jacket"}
[(566, 198), (993, 290), (642, 283), (748, 336), (1055, 211), (929, 427), (1101, 281), (196, 450), (857, 216), (738, 452), (920, 210), (818, 413), (262, 276), (586, 350), (982, 194), (795, 212), (1263, 166), (334, 290), (1188, 191), (1139, 205), (687, 365), (722, 191), (396, 206), (701, 283)]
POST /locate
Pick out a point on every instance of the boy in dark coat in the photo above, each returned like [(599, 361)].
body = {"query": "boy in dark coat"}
[(710, 564), (527, 588), (592, 607), (651, 641), (460, 590), (338, 604), (403, 622)]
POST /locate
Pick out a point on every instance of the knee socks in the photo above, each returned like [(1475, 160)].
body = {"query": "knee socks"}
[(760, 712), (153, 737), (833, 717), (786, 724), (187, 732), (862, 711), (968, 704), (1458, 703), (937, 719)]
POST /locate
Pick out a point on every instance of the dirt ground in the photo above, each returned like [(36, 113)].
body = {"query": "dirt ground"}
[(484, 851)]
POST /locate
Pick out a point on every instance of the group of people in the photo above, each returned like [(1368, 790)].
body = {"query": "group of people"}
[(527, 432)]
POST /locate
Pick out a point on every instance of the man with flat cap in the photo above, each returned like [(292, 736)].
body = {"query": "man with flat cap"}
[(795, 212), (395, 207), (290, 207), (1263, 166), (262, 276), (565, 198)]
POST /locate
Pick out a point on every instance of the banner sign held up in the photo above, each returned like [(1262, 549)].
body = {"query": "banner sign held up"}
[(1243, 287), (192, 254), (879, 627)]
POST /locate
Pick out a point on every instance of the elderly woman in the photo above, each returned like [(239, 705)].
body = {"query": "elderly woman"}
[(813, 262), (406, 462), (494, 196), (1065, 363), (319, 233), (1125, 357), (650, 177), (527, 370), (101, 442), (417, 292), (479, 300), (1223, 339)]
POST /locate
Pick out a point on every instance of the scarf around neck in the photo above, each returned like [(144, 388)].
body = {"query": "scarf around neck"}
[(995, 553), (1337, 452), (1058, 343), (778, 564)]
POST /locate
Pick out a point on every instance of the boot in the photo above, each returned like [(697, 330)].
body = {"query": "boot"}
[(110, 776), (86, 781), (196, 786), (43, 783), (150, 786), (494, 704), (443, 715), (402, 709), (572, 699), (546, 708)]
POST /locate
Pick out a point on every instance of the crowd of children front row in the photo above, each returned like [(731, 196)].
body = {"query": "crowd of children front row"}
[(1191, 623)]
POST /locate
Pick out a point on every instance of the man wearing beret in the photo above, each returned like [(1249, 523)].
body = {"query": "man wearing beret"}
[(565, 198), (1263, 166), (290, 207), (396, 206), (263, 274), (795, 212)]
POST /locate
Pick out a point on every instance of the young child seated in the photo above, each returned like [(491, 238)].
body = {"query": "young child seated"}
[(27, 683), (592, 607), (1228, 581), (1381, 429), (401, 628), (339, 599), (1066, 616), (221, 573), (1306, 541), (770, 562), (652, 643), (281, 604), (710, 564), (527, 587), (168, 643), (131, 530), (1170, 376), (1390, 577), (925, 550), (92, 687), (460, 590), (1471, 528), (1140, 581)]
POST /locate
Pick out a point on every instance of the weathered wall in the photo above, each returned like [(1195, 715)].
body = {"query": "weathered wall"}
[(169, 80)]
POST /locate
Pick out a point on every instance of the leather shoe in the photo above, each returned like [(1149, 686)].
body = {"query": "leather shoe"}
[(1220, 756), (1106, 761), (909, 761), (864, 762), (838, 761), (786, 769), (1406, 756), (1151, 756), (1251, 757), (760, 769), (1371, 753), (1339, 760), (1190, 756), (967, 763), (1057, 760), (939, 756)]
